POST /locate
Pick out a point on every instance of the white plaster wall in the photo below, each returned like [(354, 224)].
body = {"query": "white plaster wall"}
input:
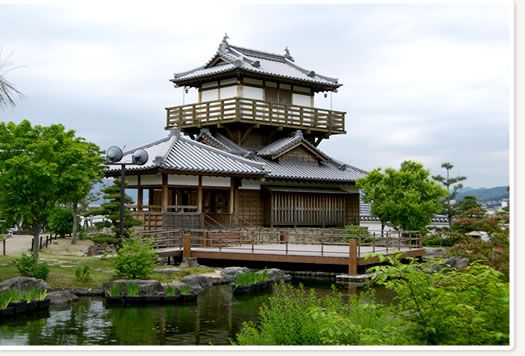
[(132, 180), (252, 93), (300, 99), (183, 180), (209, 95), (150, 179), (250, 184), (229, 92), (216, 181)]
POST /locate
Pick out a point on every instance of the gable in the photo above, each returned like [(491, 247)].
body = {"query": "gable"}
[(299, 155)]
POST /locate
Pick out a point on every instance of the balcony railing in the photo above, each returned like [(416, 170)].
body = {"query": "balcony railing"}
[(255, 111)]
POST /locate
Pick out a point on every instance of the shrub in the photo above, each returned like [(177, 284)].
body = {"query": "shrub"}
[(136, 258), (443, 238), (102, 238), (132, 289), (295, 316), (249, 278), (83, 274), (450, 307), (28, 267)]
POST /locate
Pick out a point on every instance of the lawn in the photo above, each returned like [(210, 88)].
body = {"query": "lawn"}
[(62, 271)]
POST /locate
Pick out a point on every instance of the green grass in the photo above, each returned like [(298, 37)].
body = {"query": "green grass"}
[(101, 271), (249, 278), (132, 289), (185, 290)]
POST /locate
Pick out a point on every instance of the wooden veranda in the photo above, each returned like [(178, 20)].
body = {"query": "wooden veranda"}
[(340, 249)]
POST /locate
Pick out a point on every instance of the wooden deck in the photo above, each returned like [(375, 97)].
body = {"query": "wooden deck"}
[(352, 254)]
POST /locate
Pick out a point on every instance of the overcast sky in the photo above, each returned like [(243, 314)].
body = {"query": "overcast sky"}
[(428, 82)]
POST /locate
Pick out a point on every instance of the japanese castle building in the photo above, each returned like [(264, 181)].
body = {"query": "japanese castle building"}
[(247, 152)]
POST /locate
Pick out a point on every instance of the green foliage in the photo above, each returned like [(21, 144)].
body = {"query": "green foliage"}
[(28, 266), (113, 290), (443, 238), (61, 221), (450, 307), (132, 289), (249, 278), (13, 296), (295, 316), (170, 291), (102, 238), (37, 164), (136, 258), (111, 209), (452, 184), (185, 290), (83, 274), (5, 299), (406, 198)]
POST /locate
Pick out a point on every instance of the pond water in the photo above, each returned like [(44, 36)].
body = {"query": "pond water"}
[(213, 320)]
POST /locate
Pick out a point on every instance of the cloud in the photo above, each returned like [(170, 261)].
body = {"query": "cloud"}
[(421, 81)]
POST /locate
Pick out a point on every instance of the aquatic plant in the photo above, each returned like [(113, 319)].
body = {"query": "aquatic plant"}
[(170, 291), (82, 273), (113, 290), (185, 290), (132, 289), (249, 278)]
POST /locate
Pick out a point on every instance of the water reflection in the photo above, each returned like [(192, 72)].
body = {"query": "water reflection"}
[(214, 320)]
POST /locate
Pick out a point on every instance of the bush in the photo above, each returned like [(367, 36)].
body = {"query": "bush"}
[(28, 267), (295, 316), (443, 238), (102, 238), (450, 307), (136, 259)]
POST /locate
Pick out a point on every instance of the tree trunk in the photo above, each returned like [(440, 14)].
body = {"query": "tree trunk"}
[(36, 240), (74, 233)]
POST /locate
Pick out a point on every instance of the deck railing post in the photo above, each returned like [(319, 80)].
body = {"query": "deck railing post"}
[(352, 257), (419, 241), (252, 245), (186, 245), (322, 248), (373, 242)]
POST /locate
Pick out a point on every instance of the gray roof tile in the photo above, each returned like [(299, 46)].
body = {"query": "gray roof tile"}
[(256, 62)]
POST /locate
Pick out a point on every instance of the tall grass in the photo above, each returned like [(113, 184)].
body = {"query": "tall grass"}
[(249, 278), (132, 289)]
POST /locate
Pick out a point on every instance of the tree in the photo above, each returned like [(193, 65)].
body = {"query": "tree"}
[(35, 163), (449, 183), (406, 198), (111, 209), (7, 90), (60, 221), (468, 202)]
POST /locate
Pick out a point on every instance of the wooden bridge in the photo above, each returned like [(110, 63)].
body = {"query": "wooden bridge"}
[(264, 247)]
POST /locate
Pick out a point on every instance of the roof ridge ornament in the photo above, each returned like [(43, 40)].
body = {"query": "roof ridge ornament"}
[(224, 43), (287, 54), (298, 133), (175, 132)]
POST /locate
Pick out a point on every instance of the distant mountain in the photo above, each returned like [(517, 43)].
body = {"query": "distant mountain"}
[(484, 194)]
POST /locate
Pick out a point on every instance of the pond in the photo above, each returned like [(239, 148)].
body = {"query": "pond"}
[(214, 320)]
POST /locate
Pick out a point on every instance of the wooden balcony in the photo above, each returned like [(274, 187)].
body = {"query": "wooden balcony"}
[(256, 112)]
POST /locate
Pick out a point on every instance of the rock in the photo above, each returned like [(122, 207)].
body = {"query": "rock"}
[(87, 292), (23, 283), (146, 287), (197, 282), (230, 273), (457, 262), (277, 275), (62, 296), (189, 262)]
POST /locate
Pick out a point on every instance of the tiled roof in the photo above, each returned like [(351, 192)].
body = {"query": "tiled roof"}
[(231, 58), (282, 145), (184, 155)]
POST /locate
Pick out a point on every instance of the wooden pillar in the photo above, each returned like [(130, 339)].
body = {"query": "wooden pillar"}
[(232, 195), (352, 258), (199, 196), (186, 245), (165, 195), (140, 196)]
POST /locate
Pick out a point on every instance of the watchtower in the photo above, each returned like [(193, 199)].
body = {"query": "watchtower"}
[(255, 98)]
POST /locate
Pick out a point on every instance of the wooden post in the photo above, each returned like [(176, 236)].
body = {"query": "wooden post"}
[(199, 196), (232, 196), (3, 243), (352, 259), (140, 194), (41, 241), (165, 195), (186, 245)]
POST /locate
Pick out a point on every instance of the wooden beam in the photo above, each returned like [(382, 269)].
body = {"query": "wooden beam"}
[(245, 136), (140, 196), (318, 141), (232, 195)]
